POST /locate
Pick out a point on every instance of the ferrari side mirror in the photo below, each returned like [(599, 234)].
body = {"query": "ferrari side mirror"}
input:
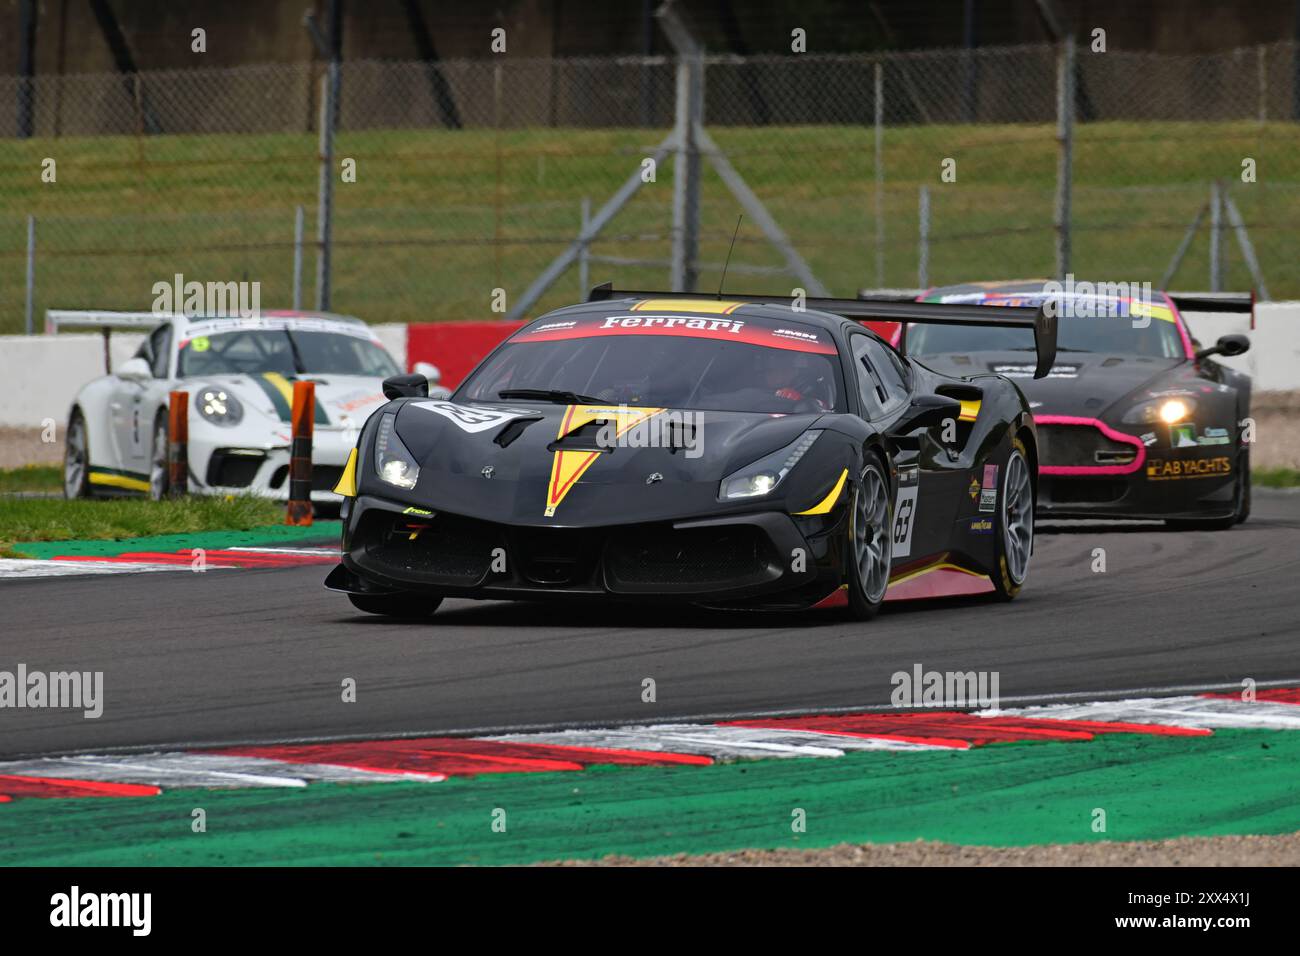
[(1228, 345), (414, 385)]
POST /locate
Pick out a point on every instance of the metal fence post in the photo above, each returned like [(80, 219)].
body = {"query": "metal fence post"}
[(923, 257), (686, 172), (325, 198), (584, 255), (31, 272), (1065, 150), (880, 174), (1216, 227), (297, 258)]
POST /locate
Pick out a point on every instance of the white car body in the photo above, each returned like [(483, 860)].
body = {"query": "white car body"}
[(124, 411)]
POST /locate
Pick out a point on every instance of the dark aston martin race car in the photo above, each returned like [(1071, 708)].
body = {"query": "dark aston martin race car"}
[(738, 452), (1135, 419)]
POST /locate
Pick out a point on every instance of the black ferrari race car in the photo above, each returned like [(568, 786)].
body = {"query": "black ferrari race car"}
[(1135, 420), (739, 452)]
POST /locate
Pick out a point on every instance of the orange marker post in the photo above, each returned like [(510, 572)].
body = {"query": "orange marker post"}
[(304, 414), (178, 444)]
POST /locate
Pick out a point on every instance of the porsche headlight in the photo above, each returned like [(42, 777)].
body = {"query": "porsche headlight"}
[(763, 476), (393, 462), (218, 406), (1167, 410)]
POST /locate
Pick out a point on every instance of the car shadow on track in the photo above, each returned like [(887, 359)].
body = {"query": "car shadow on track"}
[(594, 615)]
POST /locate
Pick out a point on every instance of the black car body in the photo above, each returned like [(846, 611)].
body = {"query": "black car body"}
[(1135, 419), (653, 446)]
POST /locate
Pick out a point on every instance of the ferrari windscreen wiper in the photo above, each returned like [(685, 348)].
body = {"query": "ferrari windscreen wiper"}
[(549, 395)]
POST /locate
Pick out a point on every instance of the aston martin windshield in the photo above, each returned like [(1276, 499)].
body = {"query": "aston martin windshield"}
[(255, 351), (1112, 335), (679, 361)]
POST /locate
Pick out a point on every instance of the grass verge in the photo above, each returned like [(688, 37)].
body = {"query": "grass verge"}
[(31, 478), (25, 520), (1276, 477)]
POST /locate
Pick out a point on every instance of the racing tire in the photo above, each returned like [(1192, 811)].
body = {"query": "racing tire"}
[(76, 457), (408, 607), (1014, 526), (871, 542), (159, 474)]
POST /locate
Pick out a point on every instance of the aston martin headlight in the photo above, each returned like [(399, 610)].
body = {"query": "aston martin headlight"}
[(393, 462), (763, 476), (218, 406), (1167, 410)]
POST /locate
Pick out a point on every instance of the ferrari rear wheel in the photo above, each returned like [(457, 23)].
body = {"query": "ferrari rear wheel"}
[(76, 458), (407, 606), (870, 542), (1015, 525)]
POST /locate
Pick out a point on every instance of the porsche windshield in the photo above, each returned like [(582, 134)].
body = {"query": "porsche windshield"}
[(1115, 335), (738, 365), (255, 351)]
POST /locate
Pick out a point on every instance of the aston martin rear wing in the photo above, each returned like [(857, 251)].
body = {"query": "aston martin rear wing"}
[(1239, 302), (884, 310)]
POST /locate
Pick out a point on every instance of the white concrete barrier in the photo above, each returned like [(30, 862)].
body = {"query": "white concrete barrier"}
[(40, 375), (1273, 361)]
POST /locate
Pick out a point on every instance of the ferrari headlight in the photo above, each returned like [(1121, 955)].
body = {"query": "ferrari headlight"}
[(763, 476), (218, 406), (393, 462), (1167, 410)]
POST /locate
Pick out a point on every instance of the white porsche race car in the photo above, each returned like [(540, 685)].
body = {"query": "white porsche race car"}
[(239, 373)]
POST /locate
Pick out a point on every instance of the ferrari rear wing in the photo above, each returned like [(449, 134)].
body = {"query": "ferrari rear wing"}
[(884, 310)]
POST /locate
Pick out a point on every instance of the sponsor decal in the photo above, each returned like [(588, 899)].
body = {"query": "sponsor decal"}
[(909, 485), (974, 489), (746, 331), (569, 464), (1164, 469), (473, 418), (989, 489), (1213, 436), (416, 511), (981, 526), (1027, 371), (1148, 439), (1182, 436)]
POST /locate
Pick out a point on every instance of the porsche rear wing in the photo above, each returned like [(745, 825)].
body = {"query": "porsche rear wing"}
[(105, 321), (886, 310)]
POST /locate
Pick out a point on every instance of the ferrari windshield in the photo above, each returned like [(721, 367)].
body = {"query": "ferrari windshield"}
[(718, 364), (255, 351), (1115, 335)]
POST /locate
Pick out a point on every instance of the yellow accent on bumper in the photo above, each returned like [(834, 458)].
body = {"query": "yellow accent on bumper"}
[(826, 504), (118, 481), (347, 485), (970, 410)]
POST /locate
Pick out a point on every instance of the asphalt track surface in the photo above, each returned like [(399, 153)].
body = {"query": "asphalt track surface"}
[(259, 656)]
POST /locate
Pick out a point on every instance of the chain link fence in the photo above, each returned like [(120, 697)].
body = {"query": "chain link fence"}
[(454, 181)]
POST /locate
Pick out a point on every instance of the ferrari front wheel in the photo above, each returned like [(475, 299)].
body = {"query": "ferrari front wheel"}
[(1015, 525), (870, 542)]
